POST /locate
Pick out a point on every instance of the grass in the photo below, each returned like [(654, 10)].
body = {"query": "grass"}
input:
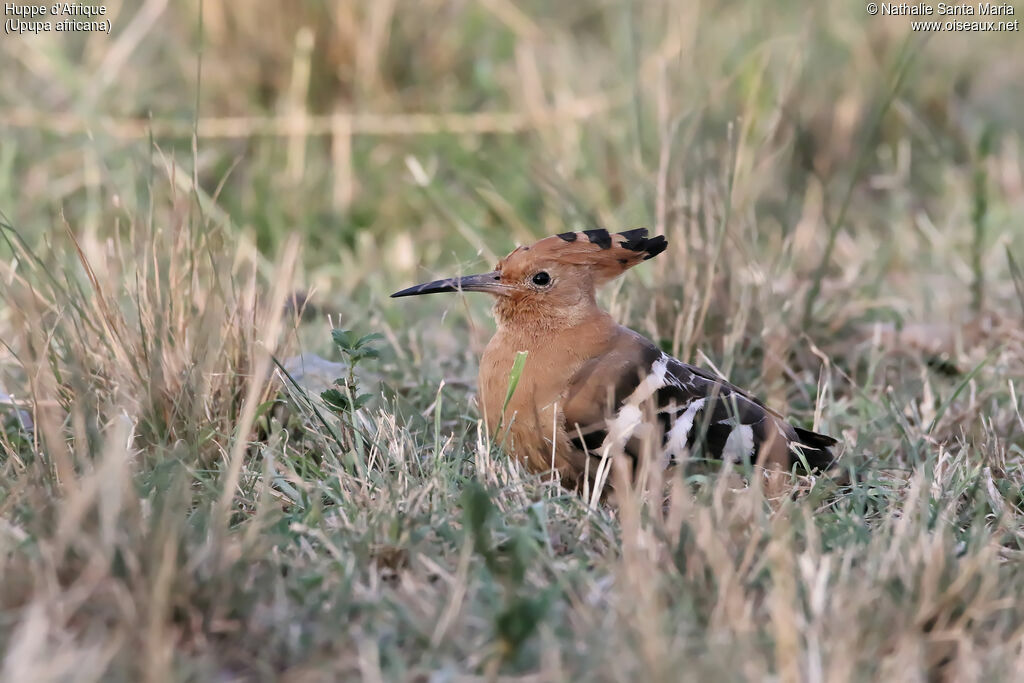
[(842, 199)]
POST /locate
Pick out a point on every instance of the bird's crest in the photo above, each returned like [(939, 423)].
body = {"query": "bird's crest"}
[(608, 255), (599, 254)]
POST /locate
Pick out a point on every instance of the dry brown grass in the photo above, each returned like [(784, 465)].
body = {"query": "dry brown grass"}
[(841, 199)]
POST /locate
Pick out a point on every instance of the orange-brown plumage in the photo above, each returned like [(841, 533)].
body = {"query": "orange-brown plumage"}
[(591, 388)]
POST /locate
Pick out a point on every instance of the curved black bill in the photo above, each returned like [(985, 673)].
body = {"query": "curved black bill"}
[(484, 282)]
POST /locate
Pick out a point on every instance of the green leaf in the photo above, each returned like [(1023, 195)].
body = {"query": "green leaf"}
[(373, 336), (335, 399), (362, 400), (366, 353), (342, 338)]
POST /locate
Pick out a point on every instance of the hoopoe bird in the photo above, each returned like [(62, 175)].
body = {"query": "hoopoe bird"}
[(590, 387)]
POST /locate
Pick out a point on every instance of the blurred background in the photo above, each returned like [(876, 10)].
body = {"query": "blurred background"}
[(395, 133), (818, 171)]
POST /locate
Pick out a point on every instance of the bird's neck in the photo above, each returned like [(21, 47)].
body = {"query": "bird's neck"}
[(525, 318), (555, 354), (540, 330)]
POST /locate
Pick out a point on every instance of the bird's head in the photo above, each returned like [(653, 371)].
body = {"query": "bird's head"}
[(553, 280)]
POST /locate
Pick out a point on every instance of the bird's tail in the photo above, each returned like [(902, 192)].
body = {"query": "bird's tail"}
[(816, 449)]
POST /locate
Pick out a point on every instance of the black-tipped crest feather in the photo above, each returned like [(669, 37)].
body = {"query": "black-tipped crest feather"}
[(600, 237)]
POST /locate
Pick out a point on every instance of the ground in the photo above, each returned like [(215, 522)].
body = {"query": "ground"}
[(843, 200)]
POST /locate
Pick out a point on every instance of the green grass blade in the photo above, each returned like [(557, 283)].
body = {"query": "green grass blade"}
[(513, 378)]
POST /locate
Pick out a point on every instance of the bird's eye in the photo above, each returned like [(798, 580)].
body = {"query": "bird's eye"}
[(541, 279)]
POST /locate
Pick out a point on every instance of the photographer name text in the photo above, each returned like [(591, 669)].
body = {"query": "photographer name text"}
[(942, 10)]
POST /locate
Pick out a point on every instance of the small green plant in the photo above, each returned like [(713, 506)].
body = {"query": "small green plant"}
[(507, 562), (347, 398)]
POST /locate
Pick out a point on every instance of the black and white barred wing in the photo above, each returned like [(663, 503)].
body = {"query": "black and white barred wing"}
[(637, 398)]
